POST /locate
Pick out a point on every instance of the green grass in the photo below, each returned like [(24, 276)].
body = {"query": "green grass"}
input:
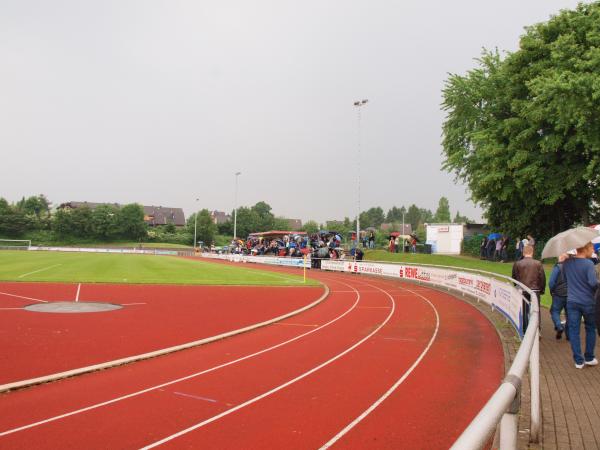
[(124, 268), (466, 262)]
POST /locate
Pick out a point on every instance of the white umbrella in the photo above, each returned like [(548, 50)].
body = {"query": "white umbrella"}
[(596, 240), (568, 240)]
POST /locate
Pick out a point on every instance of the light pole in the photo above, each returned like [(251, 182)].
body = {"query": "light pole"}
[(235, 206), (358, 104), (195, 224), (403, 233)]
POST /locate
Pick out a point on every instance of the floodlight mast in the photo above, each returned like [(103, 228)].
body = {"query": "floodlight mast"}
[(358, 104), (195, 224), (235, 206)]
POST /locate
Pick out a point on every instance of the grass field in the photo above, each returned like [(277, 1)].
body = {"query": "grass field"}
[(453, 261), (124, 268)]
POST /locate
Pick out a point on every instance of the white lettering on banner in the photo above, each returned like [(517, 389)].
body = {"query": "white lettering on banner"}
[(508, 300), (334, 265), (270, 260)]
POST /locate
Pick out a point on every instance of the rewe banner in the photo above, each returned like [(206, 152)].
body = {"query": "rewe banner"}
[(499, 294)]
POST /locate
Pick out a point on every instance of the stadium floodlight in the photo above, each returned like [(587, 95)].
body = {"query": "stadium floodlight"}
[(195, 224), (235, 206), (359, 104), (15, 244)]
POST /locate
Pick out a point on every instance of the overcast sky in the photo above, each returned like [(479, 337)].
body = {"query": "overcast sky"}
[(161, 102)]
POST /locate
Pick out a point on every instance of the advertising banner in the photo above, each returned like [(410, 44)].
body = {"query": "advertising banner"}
[(105, 250), (500, 295)]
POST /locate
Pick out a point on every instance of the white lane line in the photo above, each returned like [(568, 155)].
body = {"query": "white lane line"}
[(195, 397), (389, 392), (78, 289), (275, 389), (399, 339), (374, 307), (40, 270), (178, 380), (24, 298)]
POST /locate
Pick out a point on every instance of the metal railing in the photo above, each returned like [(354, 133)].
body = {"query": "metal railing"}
[(504, 405)]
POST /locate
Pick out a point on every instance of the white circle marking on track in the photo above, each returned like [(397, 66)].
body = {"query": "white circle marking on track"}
[(187, 377)]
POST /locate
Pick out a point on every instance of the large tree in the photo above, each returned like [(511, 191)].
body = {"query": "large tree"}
[(205, 227), (442, 213), (394, 214), (523, 131), (130, 221)]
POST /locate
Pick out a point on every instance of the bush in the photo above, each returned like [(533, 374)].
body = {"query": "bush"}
[(471, 245)]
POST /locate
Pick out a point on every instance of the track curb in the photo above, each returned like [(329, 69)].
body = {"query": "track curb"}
[(165, 351)]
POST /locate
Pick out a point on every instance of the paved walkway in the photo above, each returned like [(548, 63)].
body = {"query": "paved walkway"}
[(570, 397)]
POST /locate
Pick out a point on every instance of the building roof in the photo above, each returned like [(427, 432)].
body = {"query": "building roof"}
[(162, 215), (153, 215), (220, 217)]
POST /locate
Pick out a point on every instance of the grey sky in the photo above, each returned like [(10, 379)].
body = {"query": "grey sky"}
[(160, 102)]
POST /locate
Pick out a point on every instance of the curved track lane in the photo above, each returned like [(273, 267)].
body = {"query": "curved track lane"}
[(377, 365)]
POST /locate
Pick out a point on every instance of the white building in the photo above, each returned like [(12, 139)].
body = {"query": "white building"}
[(445, 238)]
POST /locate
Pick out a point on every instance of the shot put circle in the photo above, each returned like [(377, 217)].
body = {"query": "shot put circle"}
[(72, 307)]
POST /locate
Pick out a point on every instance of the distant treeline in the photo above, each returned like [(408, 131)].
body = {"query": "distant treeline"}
[(32, 218), (105, 222)]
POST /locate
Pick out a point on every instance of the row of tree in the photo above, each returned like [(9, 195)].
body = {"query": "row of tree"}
[(414, 215), (105, 222), (108, 222), (523, 129)]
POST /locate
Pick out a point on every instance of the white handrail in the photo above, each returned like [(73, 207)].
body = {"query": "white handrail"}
[(503, 406)]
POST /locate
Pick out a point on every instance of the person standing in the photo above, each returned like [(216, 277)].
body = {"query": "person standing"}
[(392, 245), (531, 273), (518, 249), (491, 248), (558, 290), (582, 283), (504, 250), (482, 247), (498, 252)]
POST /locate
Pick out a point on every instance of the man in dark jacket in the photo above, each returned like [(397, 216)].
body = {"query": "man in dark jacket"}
[(531, 273), (558, 289), (581, 279)]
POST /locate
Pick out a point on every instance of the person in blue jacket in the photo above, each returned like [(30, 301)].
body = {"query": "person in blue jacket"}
[(558, 290), (582, 284)]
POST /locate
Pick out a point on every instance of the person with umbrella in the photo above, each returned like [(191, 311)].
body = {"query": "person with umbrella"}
[(582, 284), (581, 279)]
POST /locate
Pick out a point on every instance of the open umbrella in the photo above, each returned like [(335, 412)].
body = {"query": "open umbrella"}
[(568, 240), (494, 236)]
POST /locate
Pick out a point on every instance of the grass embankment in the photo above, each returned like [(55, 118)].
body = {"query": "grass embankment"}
[(466, 262), (124, 268)]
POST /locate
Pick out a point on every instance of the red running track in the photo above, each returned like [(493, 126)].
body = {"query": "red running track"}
[(154, 317), (297, 384)]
